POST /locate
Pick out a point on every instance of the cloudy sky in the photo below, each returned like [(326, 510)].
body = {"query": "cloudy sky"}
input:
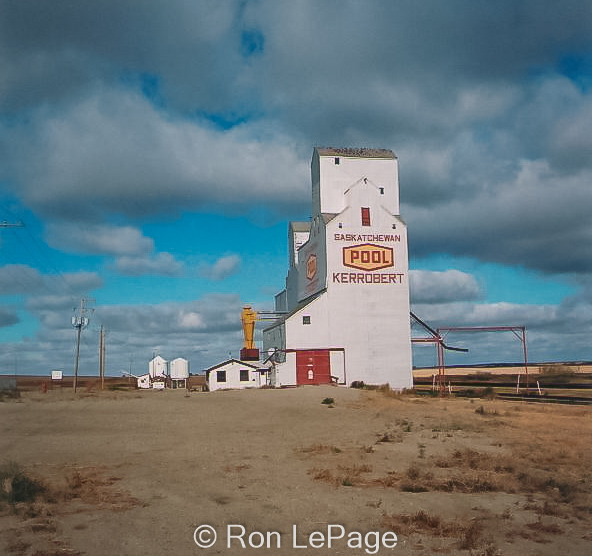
[(155, 152)]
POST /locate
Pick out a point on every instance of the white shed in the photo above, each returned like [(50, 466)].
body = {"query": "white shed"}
[(158, 367), (235, 374), (179, 369), (143, 381)]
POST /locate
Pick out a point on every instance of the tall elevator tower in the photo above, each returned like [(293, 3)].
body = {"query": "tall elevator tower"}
[(346, 300)]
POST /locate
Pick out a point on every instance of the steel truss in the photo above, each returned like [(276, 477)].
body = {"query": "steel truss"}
[(437, 337)]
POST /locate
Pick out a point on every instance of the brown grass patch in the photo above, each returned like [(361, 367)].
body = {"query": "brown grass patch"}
[(316, 449), (91, 486), (343, 475), (465, 536)]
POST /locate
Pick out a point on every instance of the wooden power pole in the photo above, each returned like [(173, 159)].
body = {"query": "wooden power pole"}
[(79, 322), (102, 356)]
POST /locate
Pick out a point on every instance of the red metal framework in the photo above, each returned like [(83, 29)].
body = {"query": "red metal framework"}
[(518, 331), (434, 338), (437, 337)]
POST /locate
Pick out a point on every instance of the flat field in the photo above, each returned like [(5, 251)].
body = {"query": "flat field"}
[(136, 473)]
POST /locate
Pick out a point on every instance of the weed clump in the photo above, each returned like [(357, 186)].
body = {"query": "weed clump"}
[(10, 394), (482, 411), (16, 486)]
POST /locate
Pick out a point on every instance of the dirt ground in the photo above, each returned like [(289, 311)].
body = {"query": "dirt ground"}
[(137, 473)]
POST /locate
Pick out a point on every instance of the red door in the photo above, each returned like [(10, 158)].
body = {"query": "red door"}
[(313, 367)]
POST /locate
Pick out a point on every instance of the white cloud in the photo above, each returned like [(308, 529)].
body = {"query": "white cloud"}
[(161, 264), (99, 239), (24, 279), (427, 286), (114, 153), (223, 268), (18, 278)]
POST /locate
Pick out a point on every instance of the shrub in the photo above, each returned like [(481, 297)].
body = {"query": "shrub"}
[(16, 486)]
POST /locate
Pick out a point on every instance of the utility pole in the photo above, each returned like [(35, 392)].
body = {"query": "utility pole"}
[(79, 322), (102, 356)]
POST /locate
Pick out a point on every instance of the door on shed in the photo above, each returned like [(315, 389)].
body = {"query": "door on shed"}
[(313, 367)]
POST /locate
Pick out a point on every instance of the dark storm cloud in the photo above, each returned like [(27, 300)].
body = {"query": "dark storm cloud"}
[(442, 286), (115, 153), (8, 317), (132, 108), (539, 220), (55, 50)]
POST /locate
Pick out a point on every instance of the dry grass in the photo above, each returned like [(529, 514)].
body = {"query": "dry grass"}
[(39, 502), (528, 455), (445, 477), (464, 536), (343, 475), (316, 449)]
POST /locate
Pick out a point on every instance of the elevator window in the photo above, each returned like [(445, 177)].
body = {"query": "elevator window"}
[(365, 216)]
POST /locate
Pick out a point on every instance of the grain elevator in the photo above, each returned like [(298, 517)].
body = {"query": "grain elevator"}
[(345, 308)]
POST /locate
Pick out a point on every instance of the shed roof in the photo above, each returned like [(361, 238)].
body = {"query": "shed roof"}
[(252, 364), (301, 305), (355, 153)]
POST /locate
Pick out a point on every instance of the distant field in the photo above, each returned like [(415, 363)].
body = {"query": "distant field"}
[(533, 368)]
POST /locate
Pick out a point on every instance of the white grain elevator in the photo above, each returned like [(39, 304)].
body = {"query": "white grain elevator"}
[(346, 301)]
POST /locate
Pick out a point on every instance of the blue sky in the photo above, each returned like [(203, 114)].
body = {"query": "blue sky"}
[(155, 153)]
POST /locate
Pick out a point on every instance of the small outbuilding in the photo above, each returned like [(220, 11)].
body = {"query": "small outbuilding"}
[(143, 381), (158, 367), (179, 372), (235, 374)]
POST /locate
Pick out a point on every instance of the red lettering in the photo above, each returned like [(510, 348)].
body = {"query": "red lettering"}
[(366, 278)]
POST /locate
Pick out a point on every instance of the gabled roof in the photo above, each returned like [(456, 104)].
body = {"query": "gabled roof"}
[(283, 318), (252, 364), (355, 153)]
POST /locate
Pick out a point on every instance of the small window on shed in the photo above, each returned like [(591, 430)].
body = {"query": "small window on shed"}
[(306, 319), (337, 161), (365, 216), (244, 375), (220, 376)]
